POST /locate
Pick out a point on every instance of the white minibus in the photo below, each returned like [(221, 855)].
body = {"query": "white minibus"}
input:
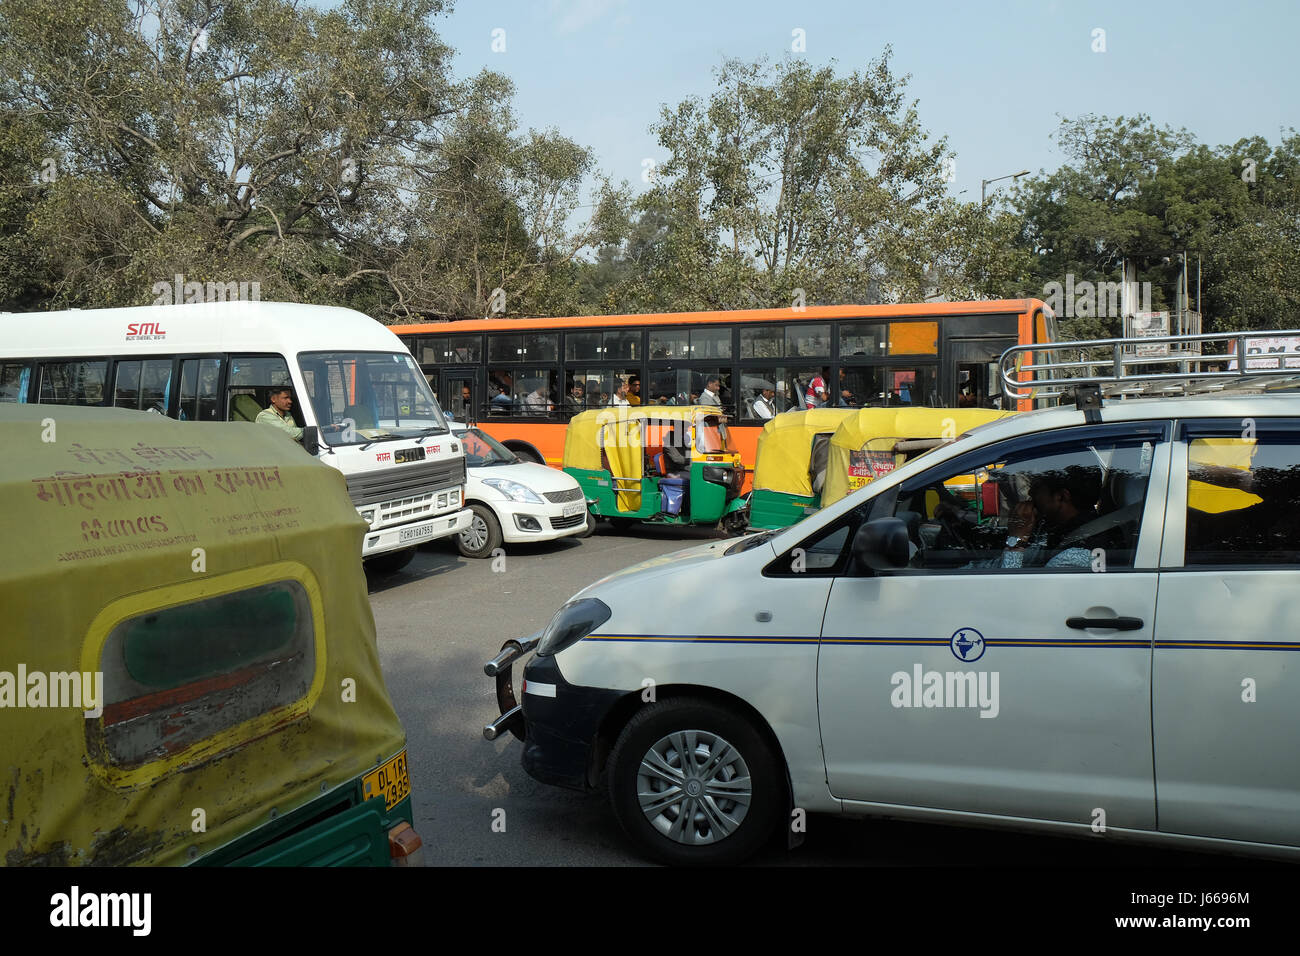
[(361, 401)]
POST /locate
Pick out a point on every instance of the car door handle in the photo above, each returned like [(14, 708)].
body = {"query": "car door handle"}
[(1113, 623)]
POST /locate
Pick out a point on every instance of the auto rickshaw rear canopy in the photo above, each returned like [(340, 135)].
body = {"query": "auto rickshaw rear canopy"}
[(782, 461), (114, 521), (879, 430)]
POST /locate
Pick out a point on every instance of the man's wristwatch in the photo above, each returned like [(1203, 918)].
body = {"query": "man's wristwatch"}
[(1015, 541)]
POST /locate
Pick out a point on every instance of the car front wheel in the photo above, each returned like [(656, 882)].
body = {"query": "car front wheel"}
[(483, 536), (692, 783)]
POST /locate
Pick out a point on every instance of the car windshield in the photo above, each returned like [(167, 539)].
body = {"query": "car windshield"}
[(364, 397), (482, 450)]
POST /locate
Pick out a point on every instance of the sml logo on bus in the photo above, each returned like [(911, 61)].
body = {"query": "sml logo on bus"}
[(145, 332)]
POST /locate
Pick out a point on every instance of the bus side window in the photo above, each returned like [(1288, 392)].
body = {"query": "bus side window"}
[(73, 383), (199, 390), (15, 377), (251, 379)]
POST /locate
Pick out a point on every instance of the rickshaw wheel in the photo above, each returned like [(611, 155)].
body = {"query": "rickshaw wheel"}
[(736, 523)]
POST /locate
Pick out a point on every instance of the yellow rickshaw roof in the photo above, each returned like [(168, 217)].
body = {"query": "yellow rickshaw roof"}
[(581, 449), (910, 423), (785, 447)]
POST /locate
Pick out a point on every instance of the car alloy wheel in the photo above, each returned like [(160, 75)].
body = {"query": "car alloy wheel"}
[(693, 782)]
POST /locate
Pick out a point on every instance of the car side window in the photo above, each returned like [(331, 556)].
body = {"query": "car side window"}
[(1068, 506), (1243, 498)]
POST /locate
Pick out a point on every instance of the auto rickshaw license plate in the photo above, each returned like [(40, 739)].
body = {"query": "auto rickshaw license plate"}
[(391, 780)]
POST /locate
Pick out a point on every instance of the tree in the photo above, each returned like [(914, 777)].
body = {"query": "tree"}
[(791, 178), (1134, 190), (328, 155)]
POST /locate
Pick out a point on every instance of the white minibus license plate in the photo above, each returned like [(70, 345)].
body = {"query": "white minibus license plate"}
[(415, 534)]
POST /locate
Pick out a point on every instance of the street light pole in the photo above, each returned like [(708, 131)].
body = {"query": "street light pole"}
[(984, 182)]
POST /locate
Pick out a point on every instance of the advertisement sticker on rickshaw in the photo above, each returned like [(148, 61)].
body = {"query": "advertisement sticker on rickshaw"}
[(865, 465)]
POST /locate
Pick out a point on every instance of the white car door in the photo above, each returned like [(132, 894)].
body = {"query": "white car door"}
[(1226, 695), (966, 683)]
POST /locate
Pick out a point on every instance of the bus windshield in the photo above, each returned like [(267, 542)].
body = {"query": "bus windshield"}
[(363, 397)]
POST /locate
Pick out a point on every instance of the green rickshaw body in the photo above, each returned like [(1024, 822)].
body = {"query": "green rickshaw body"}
[(188, 665), (616, 454)]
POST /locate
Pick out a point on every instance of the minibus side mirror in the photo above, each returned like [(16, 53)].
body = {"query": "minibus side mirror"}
[(311, 440), (882, 545)]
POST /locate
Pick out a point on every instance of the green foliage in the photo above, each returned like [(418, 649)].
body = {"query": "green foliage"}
[(332, 157), (1146, 193)]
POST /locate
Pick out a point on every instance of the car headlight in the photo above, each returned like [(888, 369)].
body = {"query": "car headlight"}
[(369, 515), (513, 490), (571, 623)]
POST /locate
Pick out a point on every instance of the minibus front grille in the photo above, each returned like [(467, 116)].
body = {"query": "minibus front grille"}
[(405, 481)]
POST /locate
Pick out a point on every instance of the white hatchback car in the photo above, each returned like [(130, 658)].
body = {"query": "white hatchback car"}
[(514, 500), (1078, 621)]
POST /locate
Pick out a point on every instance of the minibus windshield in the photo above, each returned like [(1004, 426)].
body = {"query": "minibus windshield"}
[(364, 397)]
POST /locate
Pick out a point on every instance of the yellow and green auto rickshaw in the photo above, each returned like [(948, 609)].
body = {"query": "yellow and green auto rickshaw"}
[(790, 465), (188, 665), (656, 464), (874, 441)]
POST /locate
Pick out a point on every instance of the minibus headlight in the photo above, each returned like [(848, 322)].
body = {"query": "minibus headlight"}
[(571, 623)]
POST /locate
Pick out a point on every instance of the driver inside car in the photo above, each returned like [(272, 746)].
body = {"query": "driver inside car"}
[(1048, 522), (1043, 531)]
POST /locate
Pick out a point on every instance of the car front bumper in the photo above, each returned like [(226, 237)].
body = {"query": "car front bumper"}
[(557, 722)]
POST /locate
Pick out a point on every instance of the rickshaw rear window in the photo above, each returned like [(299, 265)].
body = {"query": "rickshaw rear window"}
[(175, 676)]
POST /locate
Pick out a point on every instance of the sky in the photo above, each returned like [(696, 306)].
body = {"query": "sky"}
[(994, 77)]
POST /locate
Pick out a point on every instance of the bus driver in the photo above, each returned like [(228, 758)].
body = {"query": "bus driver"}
[(278, 415)]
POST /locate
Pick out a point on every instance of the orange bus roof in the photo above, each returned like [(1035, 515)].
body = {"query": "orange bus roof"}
[(907, 309)]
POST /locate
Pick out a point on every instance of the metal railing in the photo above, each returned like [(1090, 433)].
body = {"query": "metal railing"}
[(1193, 365)]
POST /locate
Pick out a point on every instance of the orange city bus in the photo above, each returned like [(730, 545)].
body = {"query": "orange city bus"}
[(522, 380)]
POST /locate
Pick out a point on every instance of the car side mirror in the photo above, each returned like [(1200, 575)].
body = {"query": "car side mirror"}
[(311, 440), (882, 545)]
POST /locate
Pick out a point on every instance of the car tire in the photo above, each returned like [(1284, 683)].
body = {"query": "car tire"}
[(589, 529), (390, 563), (483, 536), (723, 831)]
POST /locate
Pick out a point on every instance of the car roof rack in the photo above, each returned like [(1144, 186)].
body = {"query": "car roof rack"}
[(1082, 373)]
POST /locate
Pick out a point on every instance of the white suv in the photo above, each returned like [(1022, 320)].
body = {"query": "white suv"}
[(1073, 620)]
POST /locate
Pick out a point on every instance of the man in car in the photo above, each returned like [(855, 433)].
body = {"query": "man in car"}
[(279, 414), (1061, 502)]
